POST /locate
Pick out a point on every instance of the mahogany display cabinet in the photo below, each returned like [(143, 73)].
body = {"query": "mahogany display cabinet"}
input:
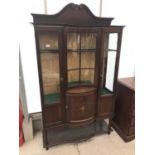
[(78, 59)]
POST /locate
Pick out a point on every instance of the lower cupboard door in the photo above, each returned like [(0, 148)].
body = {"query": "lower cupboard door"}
[(106, 106), (53, 115), (81, 109)]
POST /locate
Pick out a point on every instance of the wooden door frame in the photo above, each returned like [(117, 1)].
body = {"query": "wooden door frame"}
[(58, 29)]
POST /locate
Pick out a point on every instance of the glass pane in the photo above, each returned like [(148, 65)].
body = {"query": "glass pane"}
[(72, 60), (110, 70), (81, 48), (73, 41), (73, 77), (113, 38), (50, 76), (88, 60), (88, 41), (87, 76), (48, 40)]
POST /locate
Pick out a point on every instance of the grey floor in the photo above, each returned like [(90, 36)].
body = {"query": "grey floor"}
[(99, 145)]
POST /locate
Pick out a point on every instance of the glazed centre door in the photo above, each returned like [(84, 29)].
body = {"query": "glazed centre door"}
[(81, 73)]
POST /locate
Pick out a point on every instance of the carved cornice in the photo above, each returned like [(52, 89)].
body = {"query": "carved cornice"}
[(72, 15)]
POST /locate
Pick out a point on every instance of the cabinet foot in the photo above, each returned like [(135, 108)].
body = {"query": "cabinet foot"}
[(109, 132), (45, 140)]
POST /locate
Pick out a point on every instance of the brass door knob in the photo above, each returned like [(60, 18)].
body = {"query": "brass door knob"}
[(66, 106), (61, 79), (82, 108)]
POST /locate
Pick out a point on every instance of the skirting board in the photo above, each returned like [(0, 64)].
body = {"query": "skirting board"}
[(37, 121), (28, 129)]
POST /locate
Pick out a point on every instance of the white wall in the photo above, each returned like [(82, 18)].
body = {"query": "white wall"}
[(111, 8), (55, 6), (28, 54), (122, 12)]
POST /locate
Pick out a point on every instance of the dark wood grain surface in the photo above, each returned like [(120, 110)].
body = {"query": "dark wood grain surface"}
[(128, 82), (124, 115)]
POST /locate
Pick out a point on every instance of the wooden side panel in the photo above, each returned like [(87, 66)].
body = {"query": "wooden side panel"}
[(131, 130), (124, 118), (53, 115), (106, 106), (122, 108)]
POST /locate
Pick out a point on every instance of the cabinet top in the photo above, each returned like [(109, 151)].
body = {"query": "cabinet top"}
[(128, 82), (72, 15), (81, 90)]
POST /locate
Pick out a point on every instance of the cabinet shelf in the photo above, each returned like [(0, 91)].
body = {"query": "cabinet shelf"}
[(82, 50), (104, 91), (81, 82), (111, 50), (49, 50), (72, 69), (51, 98), (55, 97)]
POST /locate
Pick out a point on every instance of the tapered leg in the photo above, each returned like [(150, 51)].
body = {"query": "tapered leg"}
[(45, 140)]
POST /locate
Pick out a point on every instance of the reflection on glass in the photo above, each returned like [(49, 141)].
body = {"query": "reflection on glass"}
[(113, 38), (87, 59), (81, 48), (50, 77), (73, 76), (110, 70), (87, 75), (48, 41), (88, 40), (73, 41), (72, 60)]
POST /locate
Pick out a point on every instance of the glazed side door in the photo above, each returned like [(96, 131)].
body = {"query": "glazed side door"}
[(49, 57), (109, 60)]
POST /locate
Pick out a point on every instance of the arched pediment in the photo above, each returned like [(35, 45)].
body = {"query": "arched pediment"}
[(72, 15)]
